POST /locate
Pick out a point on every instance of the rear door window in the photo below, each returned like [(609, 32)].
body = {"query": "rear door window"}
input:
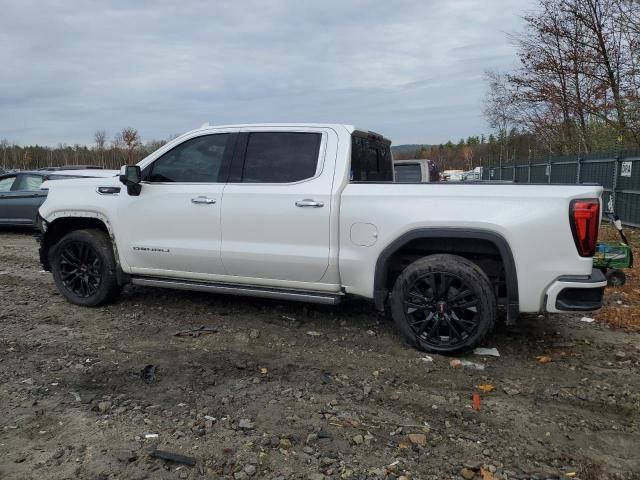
[(408, 173), (281, 157), (27, 182)]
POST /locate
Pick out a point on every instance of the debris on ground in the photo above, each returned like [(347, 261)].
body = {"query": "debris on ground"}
[(150, 435), (457, 363), (313, 333), (148, 374), (245, 424), (486, 388), (196, 332), (427, 359), (173, 457), (510, 390), (620, 356), (486, 474), (475, 401), (467, 473), (417, 438), (544, 359), (491, 352), (587, 320)]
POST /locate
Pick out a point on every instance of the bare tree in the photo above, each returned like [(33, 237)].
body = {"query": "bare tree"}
[(578, 80), (630, 25), (606, 52), (4, 146), (499, 109), (467, 153), (131, 139), (100, 137)]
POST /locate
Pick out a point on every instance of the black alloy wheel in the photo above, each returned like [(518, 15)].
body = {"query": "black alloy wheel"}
[(80, 269), (441, 310), (84, 267), (443, 304)]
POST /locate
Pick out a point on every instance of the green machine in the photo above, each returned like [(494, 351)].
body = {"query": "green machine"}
[(612, 257)]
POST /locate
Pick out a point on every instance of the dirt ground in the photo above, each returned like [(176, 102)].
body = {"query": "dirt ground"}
[(294, 391)]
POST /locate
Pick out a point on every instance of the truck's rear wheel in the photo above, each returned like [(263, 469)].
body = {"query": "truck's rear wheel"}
[(84, 268), (443, 304)]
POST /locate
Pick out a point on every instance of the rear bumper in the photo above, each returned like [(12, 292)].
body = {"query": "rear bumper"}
[(576, 293)]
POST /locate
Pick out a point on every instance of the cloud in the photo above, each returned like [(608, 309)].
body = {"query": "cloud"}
[(411, 69)]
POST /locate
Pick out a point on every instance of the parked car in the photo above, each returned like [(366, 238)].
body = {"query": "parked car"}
[(452, 175), (311, 213), (474, 175), (21, 195), (418, 170)]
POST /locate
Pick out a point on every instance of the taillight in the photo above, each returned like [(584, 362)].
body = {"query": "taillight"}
[(585, 218)]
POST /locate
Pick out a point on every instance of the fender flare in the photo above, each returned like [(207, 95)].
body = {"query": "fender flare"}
[(79, 214), (381, 290), (44, 226)]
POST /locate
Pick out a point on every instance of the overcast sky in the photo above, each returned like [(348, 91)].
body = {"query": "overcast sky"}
[(411, 69)]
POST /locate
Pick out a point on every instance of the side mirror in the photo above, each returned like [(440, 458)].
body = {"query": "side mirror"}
[(131, 176)]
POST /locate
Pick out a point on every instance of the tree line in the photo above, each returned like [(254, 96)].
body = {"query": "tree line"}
[(126, 147), (474, 151)]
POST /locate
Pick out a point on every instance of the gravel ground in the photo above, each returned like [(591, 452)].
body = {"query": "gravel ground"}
[(289, 391)]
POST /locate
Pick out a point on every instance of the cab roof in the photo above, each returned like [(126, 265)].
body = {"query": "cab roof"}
[(349, 128)]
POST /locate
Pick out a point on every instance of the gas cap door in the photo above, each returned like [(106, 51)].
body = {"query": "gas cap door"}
[(364, 234)]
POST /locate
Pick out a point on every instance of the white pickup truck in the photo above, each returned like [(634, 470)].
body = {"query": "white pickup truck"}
[(310, 212)]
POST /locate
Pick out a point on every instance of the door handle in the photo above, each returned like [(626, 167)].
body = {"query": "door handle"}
[(203, 201), (307, 202)]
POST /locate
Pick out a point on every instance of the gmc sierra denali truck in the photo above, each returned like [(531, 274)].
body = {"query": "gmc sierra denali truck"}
[(310, 212)]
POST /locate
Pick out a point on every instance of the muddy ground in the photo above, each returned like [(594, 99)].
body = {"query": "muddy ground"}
[(290, 391)]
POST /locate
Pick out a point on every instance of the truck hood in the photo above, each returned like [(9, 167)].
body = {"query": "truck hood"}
[(94, 173), (105, 177)]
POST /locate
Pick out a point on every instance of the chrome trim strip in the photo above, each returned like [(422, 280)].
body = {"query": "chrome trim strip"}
[(238, 289)]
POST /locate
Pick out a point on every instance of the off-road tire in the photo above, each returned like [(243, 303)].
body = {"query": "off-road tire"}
[(463, 273), (615, 278), (104, 286)]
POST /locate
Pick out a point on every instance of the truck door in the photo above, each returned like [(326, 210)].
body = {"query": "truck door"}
[(276, 207), (173, 226)]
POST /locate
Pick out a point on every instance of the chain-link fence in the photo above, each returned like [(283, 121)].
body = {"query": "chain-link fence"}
[(619, 176)]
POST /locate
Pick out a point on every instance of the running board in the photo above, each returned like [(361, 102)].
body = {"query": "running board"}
[(239, 289)]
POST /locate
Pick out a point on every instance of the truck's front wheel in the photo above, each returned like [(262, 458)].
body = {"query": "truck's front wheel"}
[(443, 304), (84, 268)]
